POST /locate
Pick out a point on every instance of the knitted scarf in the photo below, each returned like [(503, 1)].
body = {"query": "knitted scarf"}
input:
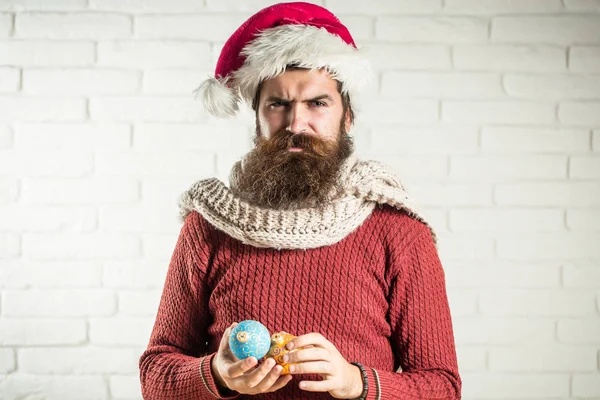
[(365, 184)]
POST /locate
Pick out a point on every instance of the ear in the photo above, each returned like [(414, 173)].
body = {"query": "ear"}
[(347, 120)]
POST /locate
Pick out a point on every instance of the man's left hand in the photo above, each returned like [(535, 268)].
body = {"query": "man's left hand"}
[(317, 355)]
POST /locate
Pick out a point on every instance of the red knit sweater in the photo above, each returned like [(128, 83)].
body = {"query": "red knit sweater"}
[(378, 295)]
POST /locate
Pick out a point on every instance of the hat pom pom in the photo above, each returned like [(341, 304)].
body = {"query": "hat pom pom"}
[(218, 99)]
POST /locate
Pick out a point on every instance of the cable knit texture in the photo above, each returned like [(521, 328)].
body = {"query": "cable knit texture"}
[(378, 295), (365, 184)]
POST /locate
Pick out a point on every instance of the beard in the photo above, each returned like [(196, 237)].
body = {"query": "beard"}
[(277, 178)]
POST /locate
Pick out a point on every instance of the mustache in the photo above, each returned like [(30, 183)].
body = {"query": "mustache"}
[(282, 140)]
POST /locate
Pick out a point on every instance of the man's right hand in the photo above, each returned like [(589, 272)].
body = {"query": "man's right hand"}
[(241, 376)]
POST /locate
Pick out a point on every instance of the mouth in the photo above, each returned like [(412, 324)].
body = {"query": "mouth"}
[(295, 149)]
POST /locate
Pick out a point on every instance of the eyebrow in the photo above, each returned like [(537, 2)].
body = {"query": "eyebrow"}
[(281, 99)]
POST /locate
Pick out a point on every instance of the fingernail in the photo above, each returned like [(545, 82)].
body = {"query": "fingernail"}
[(286, 358), (278, 369), (292, 368), (290, 345)]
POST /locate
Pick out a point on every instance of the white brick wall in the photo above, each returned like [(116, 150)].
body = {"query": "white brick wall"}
[(489, 110)]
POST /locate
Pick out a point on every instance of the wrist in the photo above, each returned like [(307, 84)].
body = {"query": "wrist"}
[(357, 383), (217, 376)]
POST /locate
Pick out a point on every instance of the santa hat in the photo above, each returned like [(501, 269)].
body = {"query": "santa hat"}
[(301, 34)]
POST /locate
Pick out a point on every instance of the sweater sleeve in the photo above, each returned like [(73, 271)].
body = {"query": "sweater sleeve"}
[(421, 325), (175, 364)]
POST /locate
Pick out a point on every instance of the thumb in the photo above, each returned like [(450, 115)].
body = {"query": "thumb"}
[(224, 345)]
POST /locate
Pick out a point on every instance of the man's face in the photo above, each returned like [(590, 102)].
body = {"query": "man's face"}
[(301, 101)]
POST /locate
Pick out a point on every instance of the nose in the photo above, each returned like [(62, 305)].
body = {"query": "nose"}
[(297, 118)]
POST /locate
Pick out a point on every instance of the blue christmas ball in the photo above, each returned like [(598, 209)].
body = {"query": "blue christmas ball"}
[(250, 339)]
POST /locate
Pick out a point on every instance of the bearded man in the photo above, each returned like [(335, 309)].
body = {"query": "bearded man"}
[(307, 239)]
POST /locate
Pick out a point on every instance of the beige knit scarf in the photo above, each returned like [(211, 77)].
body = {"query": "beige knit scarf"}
[(365, 184)]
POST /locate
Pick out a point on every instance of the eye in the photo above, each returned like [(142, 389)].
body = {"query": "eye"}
[(276, 104), (318, 103)]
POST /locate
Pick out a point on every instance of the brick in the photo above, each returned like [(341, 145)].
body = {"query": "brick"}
[(208, 27), (151, 109), (578, 331), (499, 112), (21, 386), (10, 79), (499, 331), (445, 85), (546, 358), (501, 274), (584, 59), (425, 140), (596, 140), (142, 303), (463, 248), (88, 137), (583, 220), (6, 25), (154, 54), (46, 53), (100, 190), (578, 194), (471, 359), (583, 5), (544, 386), (137, 219), (125, 386), (494, 7), (509, 167), (9, 190), (586, 386), (509, 58), (148, 6), (82, 360), (248, 7), (165, 192), (158, 247), (173, 81), (120, 331), (80, 246), (42, 332), (533, 140), (422, 167), (10, 245), (80, 81), (552, 86), (452, 194), (407, 111), (542, 303), (138, 275), (550, 246), (585, 114), (564, 29), (584, 167), (583, 276), (58, 163), (432, 29), (215, 136), (6, 136), (41, 109), (58, 303), (7, 360), (145, 164), (437, 218), (361, 27), (23, 275), (385, 7), (506, 220), (387, 57), (29, 5), (463, 302), (92, 26)]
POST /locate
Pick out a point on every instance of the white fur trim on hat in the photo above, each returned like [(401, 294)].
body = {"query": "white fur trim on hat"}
[(218, 99), (305, 46)]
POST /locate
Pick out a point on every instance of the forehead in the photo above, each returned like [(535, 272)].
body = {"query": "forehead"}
[(300, 82)]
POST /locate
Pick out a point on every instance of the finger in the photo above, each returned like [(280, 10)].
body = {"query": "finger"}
[(314, 367), (303, 355), (239, 368), (280, 382), (315, 386), (269, 380), (224, 345), (314, 339), (254, 378)]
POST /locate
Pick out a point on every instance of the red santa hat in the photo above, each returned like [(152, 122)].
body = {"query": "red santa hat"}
[(301, 34)]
